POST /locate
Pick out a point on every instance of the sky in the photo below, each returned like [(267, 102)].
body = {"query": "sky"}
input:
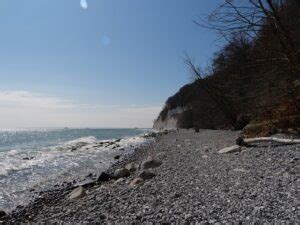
[(96, 63)]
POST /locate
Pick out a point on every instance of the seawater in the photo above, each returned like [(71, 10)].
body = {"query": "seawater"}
[(38, 159)]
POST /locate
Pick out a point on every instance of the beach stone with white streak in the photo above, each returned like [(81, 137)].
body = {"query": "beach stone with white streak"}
[(232, 149), (151, 163), (77, 193), (119, 173)]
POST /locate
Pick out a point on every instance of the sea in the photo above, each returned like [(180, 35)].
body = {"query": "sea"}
[(37, 159)]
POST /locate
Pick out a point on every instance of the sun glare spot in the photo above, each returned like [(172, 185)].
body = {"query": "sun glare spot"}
[(105, 40), (84, 4)]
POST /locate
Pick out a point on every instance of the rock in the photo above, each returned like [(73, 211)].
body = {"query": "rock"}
[(103, 177), (240, 141), (161, 155), (90, 175), (136, 181), (85, 184), (232, 149), (286, 175), (176, 195), (119, 173), (147, 174), (150, 135), (131, 167), (204, 156), (77, 193), (292, 131), (102, 217), (27, 158), (151, 163), (120, 180), (117, 157), (187, 216), (2, 214)]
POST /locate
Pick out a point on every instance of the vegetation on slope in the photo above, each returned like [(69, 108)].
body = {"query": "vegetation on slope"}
[(253, 80)]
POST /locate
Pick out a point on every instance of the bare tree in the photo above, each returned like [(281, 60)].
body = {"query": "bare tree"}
[(252, 17), (213, 92)]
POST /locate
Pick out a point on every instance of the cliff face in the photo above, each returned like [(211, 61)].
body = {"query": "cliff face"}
[(170, 121), (190, 107)]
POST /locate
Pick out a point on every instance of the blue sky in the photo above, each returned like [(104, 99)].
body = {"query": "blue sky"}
[(102, 58)]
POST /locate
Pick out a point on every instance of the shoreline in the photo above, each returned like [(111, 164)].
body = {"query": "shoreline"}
[(194, 183), (27, 176), (88, 180)]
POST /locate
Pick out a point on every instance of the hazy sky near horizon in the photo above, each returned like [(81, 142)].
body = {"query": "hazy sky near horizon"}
[(96, 63)]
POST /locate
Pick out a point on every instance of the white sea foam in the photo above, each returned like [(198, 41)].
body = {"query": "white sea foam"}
[(15, 160), (23, 169), (88, 140)]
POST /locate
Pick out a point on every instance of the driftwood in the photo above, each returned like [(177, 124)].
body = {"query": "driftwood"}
[(232, 149), (248, 141), (272, 139)]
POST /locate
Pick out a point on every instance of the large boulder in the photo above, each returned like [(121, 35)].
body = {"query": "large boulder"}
[(77, 193), (131, 167), (150, 163), (123, 172), (146, 174)]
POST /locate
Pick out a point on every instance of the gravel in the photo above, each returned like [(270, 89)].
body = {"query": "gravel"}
[(194, 183)]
